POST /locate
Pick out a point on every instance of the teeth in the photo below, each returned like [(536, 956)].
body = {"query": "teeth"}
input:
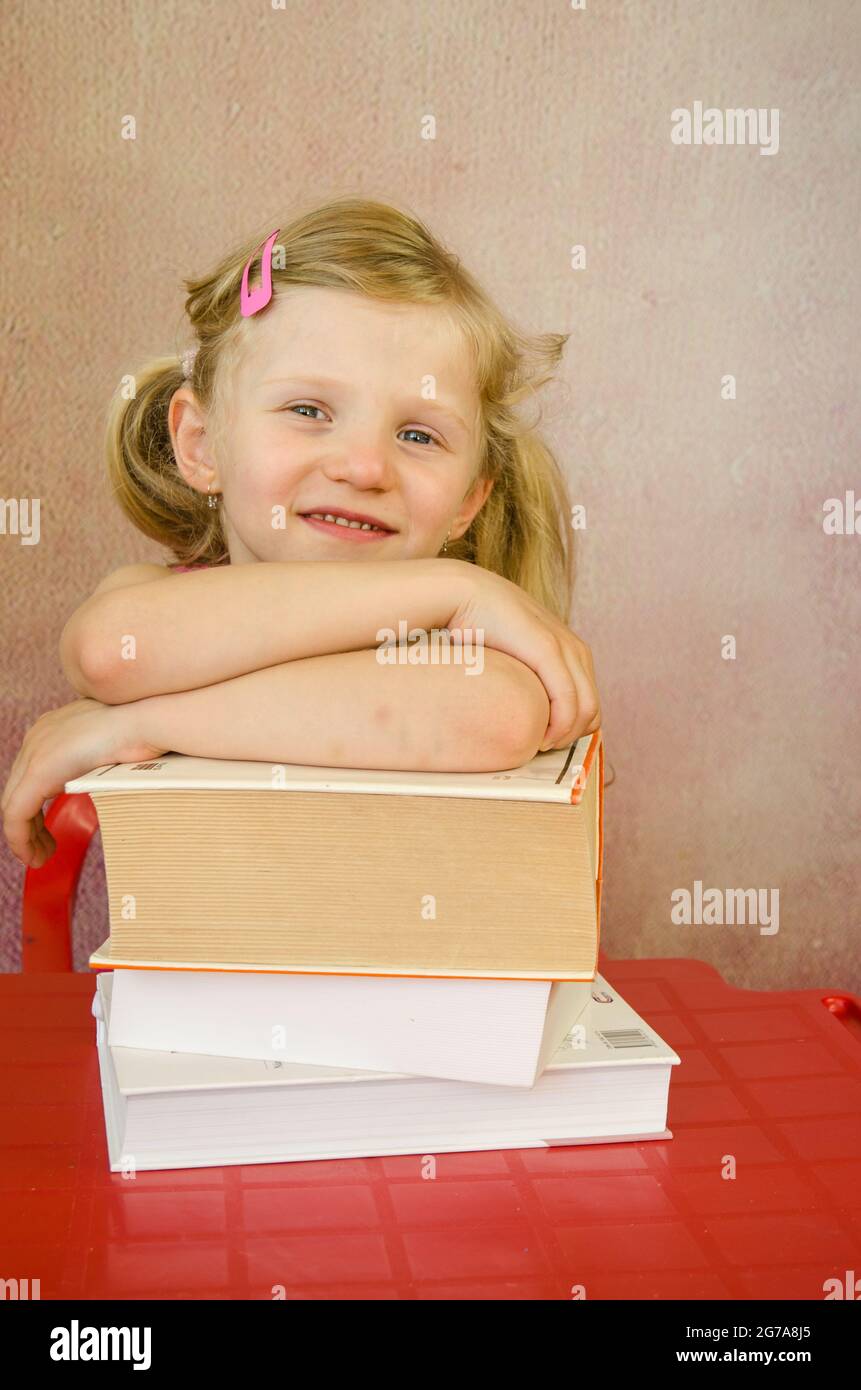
[(342, 521)]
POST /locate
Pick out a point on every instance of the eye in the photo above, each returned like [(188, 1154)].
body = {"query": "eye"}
[(412, 430), (304, 405), (425, 436)]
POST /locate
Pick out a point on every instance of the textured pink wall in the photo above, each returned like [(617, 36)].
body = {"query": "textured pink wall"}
[(704, 515)]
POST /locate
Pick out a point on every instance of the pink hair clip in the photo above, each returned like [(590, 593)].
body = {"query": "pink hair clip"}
[(251, 302)]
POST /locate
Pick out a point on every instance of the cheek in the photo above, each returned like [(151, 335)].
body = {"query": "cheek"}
[(431, 501), (268, 470)]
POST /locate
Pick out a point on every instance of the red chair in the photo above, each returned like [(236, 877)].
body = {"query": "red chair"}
[(50, 892)]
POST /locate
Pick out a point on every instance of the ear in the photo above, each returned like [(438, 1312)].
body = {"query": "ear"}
[(187, 425), (471, 506)]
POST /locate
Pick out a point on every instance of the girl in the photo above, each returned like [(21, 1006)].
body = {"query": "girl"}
[(359, 405)]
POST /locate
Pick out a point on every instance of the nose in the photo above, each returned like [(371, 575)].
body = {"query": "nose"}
[(363, 462)]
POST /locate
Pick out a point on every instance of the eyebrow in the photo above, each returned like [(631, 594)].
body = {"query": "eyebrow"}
[(328, 382)]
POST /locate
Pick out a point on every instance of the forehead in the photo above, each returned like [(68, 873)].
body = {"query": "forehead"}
[(335, 332)]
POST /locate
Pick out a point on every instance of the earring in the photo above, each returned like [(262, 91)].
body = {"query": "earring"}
[(445, 542), (213, 501)]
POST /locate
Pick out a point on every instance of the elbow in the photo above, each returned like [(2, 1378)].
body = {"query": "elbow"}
[(85, 662), (527, 717), (103, 683), (509, 733)]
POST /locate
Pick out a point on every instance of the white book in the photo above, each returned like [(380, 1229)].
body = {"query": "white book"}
[(557, 776), (502, 1032), (608, 1082)]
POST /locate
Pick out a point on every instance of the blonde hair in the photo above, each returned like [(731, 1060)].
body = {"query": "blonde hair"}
[(522, 531)]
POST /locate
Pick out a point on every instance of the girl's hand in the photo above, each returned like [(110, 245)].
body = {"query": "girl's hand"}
[(515, 623), (62, 744)]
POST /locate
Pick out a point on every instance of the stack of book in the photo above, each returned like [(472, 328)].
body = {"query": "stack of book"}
[(309, 962)]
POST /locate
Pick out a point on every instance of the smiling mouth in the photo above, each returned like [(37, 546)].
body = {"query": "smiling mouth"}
[(336, 522)]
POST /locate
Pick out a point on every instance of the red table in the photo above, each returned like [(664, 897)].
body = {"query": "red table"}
[(773, 1079)]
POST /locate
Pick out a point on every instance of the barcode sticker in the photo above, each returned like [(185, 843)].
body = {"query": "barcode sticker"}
[(626, 1037)]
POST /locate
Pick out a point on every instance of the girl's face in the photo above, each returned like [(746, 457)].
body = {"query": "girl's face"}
[(343, 405)]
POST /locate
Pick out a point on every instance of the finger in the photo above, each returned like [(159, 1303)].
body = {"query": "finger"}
[(19, 836), (42, 842), (588, 706), (564, 725), (562, 693), (42, 835), (45, 845), (587, 661), (34, 846), (19, 819), (10, 782), (582, 667), (26, 752), (584, 716)]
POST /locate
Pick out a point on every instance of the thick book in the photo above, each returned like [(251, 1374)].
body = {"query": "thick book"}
[(498, 1031), (230, 865), (608, 1082)]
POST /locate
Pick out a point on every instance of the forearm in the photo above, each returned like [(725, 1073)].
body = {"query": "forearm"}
[(193, 630), (348, 710)]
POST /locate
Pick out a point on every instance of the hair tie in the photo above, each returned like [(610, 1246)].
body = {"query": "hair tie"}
[(187, 361)]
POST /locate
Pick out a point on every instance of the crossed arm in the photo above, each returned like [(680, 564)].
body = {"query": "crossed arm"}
[(210, 664)]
